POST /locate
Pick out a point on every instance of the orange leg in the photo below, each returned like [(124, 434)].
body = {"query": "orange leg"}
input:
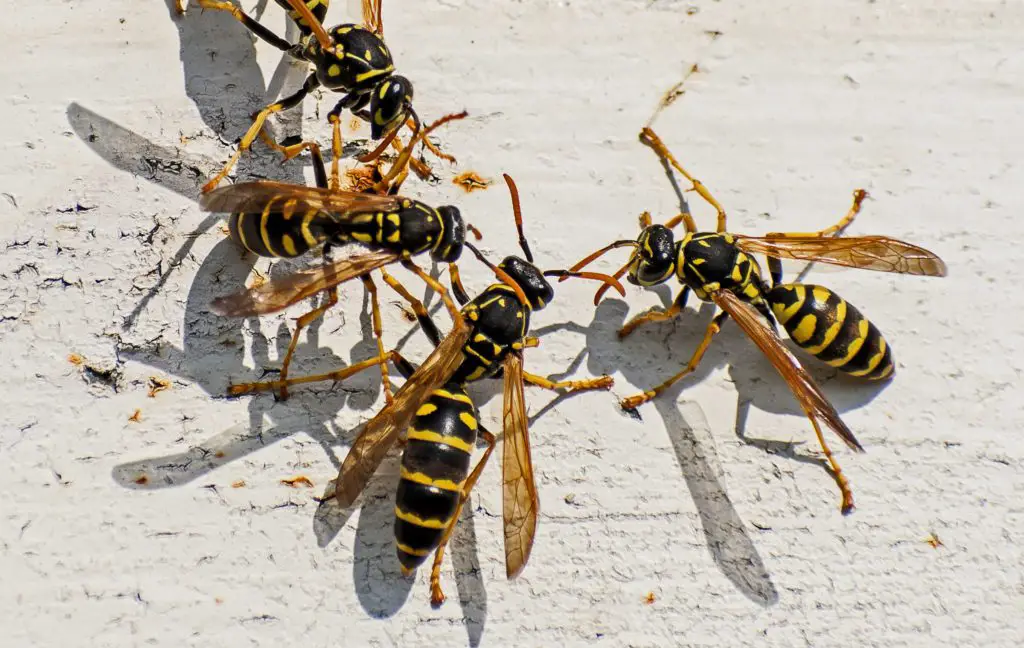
[(713, 328), (436, 594), (648, 137)]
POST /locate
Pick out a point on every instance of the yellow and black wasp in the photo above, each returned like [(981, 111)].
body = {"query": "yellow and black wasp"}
[(274, 219), (441, 422), (719, 267), (349, 58)]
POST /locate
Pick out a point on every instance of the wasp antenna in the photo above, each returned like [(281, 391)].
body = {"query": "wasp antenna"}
[(596, 255), (608, 280), (502, 276), (403, 158), (514, 191)]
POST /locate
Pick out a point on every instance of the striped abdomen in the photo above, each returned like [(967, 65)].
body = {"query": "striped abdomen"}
[(435, 464), (275, 234), (831, 329)]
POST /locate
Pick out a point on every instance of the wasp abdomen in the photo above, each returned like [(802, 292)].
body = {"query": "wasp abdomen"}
[(279, 234), (317, 7), (435, 464), (832, 330)]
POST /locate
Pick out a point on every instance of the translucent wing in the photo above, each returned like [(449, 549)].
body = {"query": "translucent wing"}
[(372, 17), (382, 430), (807, 392), (254, 197), (277, 294), (519, 492), (867, 252)]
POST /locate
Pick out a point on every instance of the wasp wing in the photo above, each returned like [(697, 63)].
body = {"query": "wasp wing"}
[(520, 502), (372, 16), (277, 294), (382, 430), (879, 253), (286, 198), (807, 392)]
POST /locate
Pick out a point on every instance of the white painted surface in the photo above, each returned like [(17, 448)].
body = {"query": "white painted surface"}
[(117, 108)]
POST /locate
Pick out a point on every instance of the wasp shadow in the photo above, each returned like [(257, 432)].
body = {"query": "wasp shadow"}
[(223, 79), (642, 360)]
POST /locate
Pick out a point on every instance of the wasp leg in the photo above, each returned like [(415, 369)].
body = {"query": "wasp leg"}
[(601, 382), (846, 507), (378, 335), (301, 323), (434, 284), (257, 125), (239, 15), (648, 137), (457, 288), (682, 217), (858, 197), (657, 315), (775, 265), (436, 595), (422, 316), (337, 376), (423, 171), (447, 157), (714, 327)]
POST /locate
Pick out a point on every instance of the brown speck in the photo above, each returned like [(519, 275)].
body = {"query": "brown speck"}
[(219, 454), (471, 181), (933, 541), (295, 482), (218, 600), (650, 598), (157, 385), (238, 484), (76, 359), (142, 480), (224, 230), (136, 416)]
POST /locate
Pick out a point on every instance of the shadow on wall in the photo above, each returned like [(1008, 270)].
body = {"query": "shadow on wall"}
[(223, 79)]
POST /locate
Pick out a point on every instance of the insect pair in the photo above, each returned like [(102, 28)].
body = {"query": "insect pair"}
[(719, 267), (351, 59), (432, 409)]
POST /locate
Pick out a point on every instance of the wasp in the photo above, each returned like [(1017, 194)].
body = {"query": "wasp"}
[(440, 421), (349, 58), (719, 267), (274, 219)]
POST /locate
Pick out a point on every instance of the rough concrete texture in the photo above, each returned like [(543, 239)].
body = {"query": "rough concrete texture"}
[(667, 532)]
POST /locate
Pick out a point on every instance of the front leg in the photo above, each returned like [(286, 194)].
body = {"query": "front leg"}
[(655, 315)]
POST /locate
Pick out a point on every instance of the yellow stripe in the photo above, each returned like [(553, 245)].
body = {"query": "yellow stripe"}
[(413, 552), (832, 331), (307, 235), (420, 478), (289, 245), (413, 519), (737, 274), (468, 420), (362, 219), (874, 361), (444, 393), (784, 313), (886, 372), (362, 237), (434, 437), (373, 73), (394, 219), (239, 231), (425, 409), (393, 238), (263, 231), (289, 208), (804, 330), (470, 350), (854, 346)]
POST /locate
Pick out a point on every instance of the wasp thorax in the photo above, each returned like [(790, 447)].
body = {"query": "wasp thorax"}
[(536, 288), (389, 105), (655, 256), (449, 245)]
